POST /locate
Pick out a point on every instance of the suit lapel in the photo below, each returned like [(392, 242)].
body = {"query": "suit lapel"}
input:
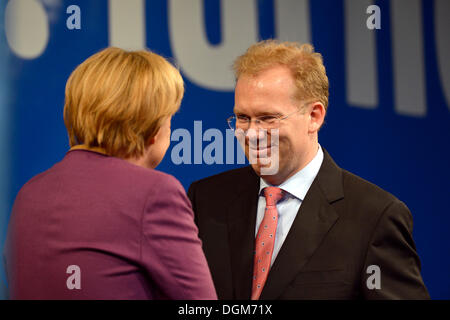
[(241, 230), (314, 219)]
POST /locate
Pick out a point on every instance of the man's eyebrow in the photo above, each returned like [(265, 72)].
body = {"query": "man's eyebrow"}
[(237, 111), (258, 114), (267, 113)]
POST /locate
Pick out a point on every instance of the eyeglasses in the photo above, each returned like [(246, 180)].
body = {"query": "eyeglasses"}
[(264, 122)]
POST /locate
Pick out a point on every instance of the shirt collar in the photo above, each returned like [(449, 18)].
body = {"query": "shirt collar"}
[(84, 147), (298, 185)]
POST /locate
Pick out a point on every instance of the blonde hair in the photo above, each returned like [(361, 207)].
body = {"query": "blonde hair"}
[(117, 100), (305, 65)]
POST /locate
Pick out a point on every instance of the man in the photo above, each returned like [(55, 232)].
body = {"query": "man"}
[(309, 229)]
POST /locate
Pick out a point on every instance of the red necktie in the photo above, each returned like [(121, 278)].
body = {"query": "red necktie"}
[(265, 240)]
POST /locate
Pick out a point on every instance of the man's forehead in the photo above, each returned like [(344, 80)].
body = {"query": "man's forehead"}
[(260, 107), (273, 75), (261, 111)]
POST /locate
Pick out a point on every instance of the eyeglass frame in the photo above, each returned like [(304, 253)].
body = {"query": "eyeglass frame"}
[(250, 120)]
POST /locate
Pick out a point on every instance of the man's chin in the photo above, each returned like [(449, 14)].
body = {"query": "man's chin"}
[(263, 168)]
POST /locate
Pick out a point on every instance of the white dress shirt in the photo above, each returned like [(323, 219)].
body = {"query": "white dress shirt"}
[(296, 188)]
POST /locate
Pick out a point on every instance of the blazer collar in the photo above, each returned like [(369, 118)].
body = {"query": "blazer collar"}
[(330, 180), (314, 219)]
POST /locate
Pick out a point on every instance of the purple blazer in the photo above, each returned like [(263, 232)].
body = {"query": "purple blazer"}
[(99, 227)]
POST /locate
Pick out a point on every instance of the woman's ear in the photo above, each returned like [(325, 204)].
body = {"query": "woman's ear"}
[(151, 141)]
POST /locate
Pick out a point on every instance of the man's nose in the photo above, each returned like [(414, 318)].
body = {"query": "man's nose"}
[(254, 130), (255, 136)]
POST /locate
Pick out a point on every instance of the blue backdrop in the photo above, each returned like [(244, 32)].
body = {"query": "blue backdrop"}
[(388, 118)]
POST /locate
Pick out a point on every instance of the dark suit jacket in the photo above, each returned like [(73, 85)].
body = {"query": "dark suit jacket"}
[(344, 225), (130, 230)]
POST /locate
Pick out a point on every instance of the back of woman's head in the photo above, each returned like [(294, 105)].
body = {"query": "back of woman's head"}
[(117, 100)]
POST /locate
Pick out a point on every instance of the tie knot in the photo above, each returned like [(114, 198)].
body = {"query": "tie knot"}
[(273, 195)]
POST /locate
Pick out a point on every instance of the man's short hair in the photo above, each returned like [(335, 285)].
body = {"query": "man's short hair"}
[(305, 65), (117, 100)]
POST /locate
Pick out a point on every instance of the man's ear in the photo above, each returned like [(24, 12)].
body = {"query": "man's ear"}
[(317, 116)]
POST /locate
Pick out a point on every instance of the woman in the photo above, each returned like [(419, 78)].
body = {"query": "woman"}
[(102, 223)]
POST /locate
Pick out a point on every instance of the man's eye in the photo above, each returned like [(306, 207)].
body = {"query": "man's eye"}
[(268, 119), (241, 118)]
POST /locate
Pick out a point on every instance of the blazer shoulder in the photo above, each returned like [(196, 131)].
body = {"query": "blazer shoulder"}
[(366, 194), (106, 174), (158, 177), (131, 174), (151, 180), (353, 181)]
